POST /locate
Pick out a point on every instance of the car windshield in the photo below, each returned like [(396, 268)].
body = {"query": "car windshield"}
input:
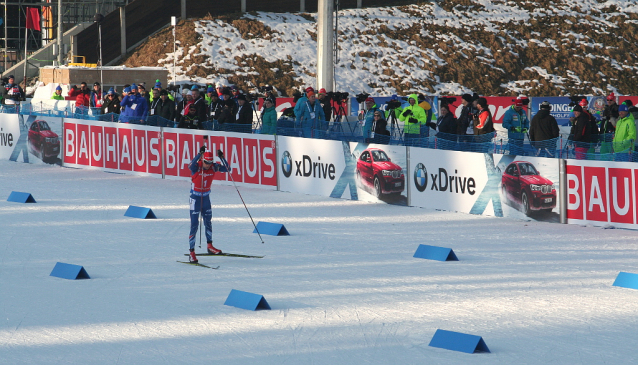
[(44, 126), (527, 169), (379, 156)]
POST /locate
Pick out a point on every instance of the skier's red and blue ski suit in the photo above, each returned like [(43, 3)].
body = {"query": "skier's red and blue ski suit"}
[(201, 181)]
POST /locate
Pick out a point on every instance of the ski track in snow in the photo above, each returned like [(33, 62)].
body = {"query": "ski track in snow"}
[(344, 288)]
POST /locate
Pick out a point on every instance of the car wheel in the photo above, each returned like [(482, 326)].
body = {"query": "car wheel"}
[(525, 204), (377, 188)]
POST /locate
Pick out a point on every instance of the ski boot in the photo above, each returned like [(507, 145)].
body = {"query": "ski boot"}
[(192, 258), (213, 250)]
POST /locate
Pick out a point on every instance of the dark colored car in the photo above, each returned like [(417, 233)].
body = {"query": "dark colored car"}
[(43, 141), (522, 184), (375, 170)]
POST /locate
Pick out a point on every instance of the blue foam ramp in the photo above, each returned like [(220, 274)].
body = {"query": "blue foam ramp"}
[(626, 280), (139, 212), (457, 341), (20, 197), (273, 229), (69, 271), (435, 253), (246, 300)]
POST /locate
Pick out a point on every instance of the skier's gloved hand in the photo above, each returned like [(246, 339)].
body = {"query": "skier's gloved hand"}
[(407, 112), (220, 154), (202, 149)]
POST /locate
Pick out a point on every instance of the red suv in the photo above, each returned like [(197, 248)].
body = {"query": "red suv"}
[(375, 170), (43, 141), (522, 184)]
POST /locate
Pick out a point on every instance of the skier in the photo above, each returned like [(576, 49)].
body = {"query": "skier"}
[(203, 171)]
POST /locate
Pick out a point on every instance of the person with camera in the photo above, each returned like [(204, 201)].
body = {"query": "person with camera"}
[(580, 133), (516, 122), (12, 93), (269, 94), (82, 96), (465, 122), (413, 117), (393, 106), (310, 114), (326, 103), (191, 120), (543, 131), (111, 103), (371, 108)]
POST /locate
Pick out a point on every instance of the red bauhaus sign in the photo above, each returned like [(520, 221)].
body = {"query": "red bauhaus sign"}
[(602, 193), (166, 152)]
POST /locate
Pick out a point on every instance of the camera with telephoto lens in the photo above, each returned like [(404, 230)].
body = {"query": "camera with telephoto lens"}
[(392, 104), (362, 97), (447, 100), (337, 96), (265, 89), (574, 100)]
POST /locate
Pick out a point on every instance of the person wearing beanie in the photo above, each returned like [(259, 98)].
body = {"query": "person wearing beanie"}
[(302, 100), (370, 108), (200, 103), (269, 94), (158, 85), (580, 133), (544, 127), (164, 107), (209, 93), (111, 103), (57, 94), (190, 120), (625, 134), (325, 102), (413, 117), (11, 93), (182, 106), (483, 122), (215, 107), (269, 118), (610, 115), (310, 114), (516, 122), (465, 122), (97, 97), (136, 109)]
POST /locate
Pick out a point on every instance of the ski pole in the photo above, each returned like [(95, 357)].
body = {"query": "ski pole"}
[(221, 155)]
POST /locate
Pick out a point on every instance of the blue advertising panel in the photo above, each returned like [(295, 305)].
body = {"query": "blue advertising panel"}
[(560, 107)]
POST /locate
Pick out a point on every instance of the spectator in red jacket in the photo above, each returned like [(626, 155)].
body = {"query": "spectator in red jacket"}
[(82, 96)]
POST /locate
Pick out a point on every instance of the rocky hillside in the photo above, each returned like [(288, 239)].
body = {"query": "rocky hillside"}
[(447, 47)]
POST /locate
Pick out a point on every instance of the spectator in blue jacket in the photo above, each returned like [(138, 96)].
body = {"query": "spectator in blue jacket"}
[(371, 108), (516, 122), (136, 107), (310, 114), (302, 100)]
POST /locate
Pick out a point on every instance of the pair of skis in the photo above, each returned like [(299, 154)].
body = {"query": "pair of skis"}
[(220, 254)]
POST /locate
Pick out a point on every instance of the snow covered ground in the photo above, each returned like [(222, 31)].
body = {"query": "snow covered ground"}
[(344, 288)]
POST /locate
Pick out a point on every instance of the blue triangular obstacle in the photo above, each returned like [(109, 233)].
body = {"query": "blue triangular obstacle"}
[(139, 212), (69, 271), (246, 300), (19, 197), (457, 341), (626, 280), (435, 253), (273, 229)]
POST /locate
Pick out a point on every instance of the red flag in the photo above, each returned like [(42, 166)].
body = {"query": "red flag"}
[(33, 19)]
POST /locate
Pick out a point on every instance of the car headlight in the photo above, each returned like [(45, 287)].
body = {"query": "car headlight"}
[(535, 187), (386, 172), (52, 140)]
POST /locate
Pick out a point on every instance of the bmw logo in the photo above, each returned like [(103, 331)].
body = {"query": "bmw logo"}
[(420, 177), (286, 164)]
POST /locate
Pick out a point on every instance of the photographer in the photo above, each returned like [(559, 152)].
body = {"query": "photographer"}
[(413, 117), (371, 108), (394, 105), (326, 103), (465, 123), (516, 122), (610, 115), (269, 94)]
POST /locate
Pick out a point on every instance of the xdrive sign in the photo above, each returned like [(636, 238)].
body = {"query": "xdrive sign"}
[(306, 167)]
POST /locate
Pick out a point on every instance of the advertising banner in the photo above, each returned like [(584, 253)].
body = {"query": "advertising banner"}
[(497, 185), (560, 108), (602, 193), (35, 138), (347, 170), (137, 149)]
